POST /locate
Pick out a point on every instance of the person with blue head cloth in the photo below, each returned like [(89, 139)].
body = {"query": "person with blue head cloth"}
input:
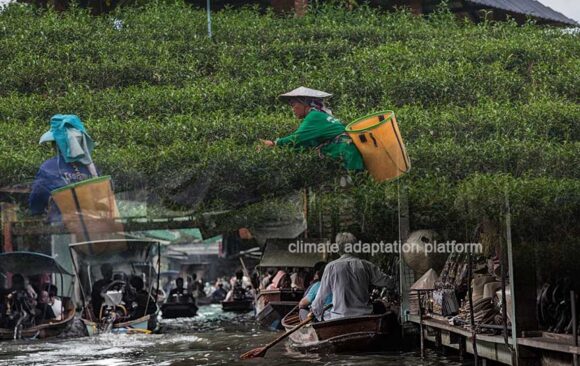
[(72, 163)]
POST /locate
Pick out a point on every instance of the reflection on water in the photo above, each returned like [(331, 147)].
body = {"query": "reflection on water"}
[(212, 338)]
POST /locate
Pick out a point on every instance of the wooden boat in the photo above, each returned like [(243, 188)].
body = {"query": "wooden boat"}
[(28, 263), (47, 329), (206, 300), (172, 310), (242, 306), (351, 334), (129, 256), (143, 325), (273, 305)]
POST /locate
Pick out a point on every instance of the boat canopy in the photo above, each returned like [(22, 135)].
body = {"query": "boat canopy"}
[(170, 273), (127, 256), (29, 263), (114, 250), (280, 253)]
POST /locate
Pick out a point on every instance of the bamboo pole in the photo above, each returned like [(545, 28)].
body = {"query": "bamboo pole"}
[(574, 325)]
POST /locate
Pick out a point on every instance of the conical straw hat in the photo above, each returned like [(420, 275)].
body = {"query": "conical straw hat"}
[(305, 92), (427, 281)]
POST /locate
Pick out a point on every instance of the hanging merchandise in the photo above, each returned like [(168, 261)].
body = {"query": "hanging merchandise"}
[(419, 295), (445, 302), (426, 282), (555, 305)]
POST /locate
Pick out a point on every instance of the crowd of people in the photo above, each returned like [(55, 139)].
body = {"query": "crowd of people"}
[(340, 288), (188, 287), (28, 303)]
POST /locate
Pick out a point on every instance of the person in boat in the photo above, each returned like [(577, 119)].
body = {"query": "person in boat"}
[(20, 306), (72, 163), (267, 280), (99, 286), (297, 279), (219, 293), (210, 288), (196, 288), (144, 303), (43, 311), (54, 301), (319, 129), (348, 279), (255, 279), (30, 288), (121, 283), (116, 309), (281, 281), (168, 286), (34, 284), (3, 294), (225, 282), (312, 291), (240, 288), (180, 293), (189, 285)]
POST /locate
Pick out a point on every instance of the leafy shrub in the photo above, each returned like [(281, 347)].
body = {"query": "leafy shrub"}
[(480, 107)]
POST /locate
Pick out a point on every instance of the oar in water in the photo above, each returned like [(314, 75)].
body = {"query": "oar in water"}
[(261, 351)]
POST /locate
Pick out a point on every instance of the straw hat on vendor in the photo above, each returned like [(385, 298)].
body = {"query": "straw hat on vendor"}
[(319, 129)]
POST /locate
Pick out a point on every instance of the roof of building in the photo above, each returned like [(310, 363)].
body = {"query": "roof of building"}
[(527, 7)]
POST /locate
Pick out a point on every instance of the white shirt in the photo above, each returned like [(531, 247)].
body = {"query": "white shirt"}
[(57, 308), (348, 280)]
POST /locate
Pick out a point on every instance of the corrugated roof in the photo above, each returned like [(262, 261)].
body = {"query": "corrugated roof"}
[(528, 7)]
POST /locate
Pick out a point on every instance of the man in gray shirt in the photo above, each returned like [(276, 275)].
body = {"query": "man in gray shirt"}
[(348, 279)]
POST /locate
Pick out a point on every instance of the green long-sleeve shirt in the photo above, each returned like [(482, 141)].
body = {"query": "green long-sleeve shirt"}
[(318, 128)]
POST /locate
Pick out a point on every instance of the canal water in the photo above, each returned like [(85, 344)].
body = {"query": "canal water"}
[(211, 338)]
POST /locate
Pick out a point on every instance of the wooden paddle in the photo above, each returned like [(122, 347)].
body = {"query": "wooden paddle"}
[(261, 351)]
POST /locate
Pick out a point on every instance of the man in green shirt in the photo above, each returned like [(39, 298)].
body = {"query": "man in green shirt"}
[(319, 129)]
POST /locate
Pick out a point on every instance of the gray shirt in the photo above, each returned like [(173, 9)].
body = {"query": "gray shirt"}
[(348, 280)]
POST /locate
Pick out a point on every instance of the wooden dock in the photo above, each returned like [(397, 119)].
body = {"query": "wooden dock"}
[(532, 346)]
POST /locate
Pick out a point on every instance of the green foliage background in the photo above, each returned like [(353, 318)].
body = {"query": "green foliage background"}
[(483, 108)]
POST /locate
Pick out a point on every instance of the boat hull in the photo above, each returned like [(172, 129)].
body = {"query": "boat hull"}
[(46, 330), (346, 335), (144, 325), (349, 343), (238, 306), (205, 301), (176, 310), (273, 305)]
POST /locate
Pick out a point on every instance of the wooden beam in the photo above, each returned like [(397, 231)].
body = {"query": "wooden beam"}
[(300, 7), (8, 212), (39, 227)]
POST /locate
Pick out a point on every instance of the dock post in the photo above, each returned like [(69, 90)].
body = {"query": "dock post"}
[(574, 325), (422, 336)]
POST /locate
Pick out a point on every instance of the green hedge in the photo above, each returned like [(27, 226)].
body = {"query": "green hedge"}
[(480, 106)]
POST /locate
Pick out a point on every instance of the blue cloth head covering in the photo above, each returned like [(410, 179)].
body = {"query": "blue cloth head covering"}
[(59, 125)]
